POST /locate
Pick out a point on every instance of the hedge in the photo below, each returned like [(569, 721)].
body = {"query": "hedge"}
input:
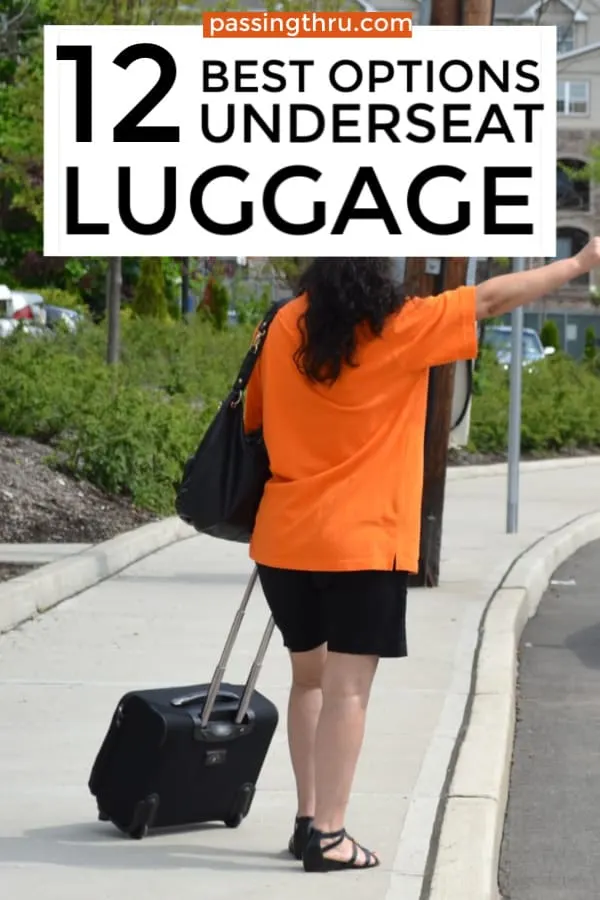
[(128, 428), (560, 407)]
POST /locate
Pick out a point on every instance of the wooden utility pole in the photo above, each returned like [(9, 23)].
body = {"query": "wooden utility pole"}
[(452, 274), (447, 12)]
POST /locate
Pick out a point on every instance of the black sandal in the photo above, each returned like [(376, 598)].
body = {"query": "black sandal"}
[(299, 839), (314, 858)]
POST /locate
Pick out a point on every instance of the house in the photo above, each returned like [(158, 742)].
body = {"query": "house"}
[(578, 107)]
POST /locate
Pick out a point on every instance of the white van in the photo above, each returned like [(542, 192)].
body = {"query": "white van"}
[(22, 306)]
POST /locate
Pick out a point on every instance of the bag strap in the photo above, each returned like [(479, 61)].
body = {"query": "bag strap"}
[(251, 358)]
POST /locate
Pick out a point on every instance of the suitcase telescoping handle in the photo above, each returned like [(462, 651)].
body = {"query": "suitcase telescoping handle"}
[(219, 674)]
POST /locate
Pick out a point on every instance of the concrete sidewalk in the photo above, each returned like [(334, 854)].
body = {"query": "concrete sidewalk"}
[(162, 621)]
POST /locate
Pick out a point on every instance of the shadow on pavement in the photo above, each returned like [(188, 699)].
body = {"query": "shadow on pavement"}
[(199, 578), (93, 846), (585, 644)]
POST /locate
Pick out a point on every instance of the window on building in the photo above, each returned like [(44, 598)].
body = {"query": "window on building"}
[(570, 241), (573, 185), (564, 246), (565, 38), (573, 98)]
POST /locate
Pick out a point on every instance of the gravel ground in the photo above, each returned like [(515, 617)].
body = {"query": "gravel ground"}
[(39, 505)]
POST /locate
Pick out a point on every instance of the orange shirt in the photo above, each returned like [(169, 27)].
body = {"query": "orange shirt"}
[(347, 459)]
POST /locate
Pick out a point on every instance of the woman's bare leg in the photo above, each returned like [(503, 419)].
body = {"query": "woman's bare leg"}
[(347, 684), (306, 699)]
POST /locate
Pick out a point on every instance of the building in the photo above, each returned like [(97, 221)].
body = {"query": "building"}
[(578, 107)]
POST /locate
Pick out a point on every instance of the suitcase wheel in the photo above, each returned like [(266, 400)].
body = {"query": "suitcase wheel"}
[(143, 817), (102, 816), (241, 807), (138, 833)]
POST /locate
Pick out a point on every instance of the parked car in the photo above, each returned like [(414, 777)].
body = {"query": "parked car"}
[(30, 310), (69, 317), (499, 338), (7, 326)]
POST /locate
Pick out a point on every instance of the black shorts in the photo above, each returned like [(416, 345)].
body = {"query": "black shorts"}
[(352, 612)]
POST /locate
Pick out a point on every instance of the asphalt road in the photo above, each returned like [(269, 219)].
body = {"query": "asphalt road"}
[(551, 845)]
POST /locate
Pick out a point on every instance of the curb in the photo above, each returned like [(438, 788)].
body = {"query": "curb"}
[(25, 597), (472, 823), (460, 473)]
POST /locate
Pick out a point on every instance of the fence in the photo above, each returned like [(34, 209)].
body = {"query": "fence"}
[(572, 327)]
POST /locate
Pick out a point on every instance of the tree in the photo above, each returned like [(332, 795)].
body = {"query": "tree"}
[(590, 349), (220, 305), (589, 172), (21, 23), (21, 100), (21, 106), (150, 298), (287, 269), (549, 334), (215, 302), (21, 65)]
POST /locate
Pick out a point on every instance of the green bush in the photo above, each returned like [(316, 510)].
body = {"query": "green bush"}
[(549, 334), (127, 440), (560, 408), (127, 428), (251, 307), (150, 298)]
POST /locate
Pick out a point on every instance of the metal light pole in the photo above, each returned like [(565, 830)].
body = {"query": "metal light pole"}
[(114, 281), (185, 285), (514, 415), (425, 12)]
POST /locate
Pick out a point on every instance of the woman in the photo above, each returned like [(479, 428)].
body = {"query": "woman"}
[(340, 390)]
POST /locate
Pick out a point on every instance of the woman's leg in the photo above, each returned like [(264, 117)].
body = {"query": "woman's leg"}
[(365, 621), (347, 684), (295, 604), (306, 698)]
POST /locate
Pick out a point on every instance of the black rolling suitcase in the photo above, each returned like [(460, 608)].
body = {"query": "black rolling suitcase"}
[(179, 756)]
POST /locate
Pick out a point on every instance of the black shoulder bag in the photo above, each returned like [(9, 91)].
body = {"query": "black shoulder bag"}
[(224, 481)]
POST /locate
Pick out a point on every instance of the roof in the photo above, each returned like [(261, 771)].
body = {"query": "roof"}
[(581, 51), (510, 9), (507, 329), (529, 12)]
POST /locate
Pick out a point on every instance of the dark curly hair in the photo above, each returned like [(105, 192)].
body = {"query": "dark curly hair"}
[(343, 293)]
